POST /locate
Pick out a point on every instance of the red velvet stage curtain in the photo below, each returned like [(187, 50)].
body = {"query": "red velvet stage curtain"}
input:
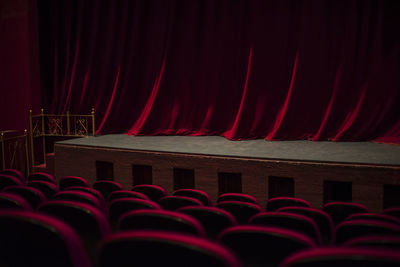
[(280, 70)]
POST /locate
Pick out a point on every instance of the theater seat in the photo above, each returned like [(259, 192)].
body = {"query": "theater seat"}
[(154, 249), (13, 202), (160, 220), (202, 196), (33, 196), (276, 203), (343, 257), (90, 224), (126, 193), (263, 246), (81, 197), (291, 221), (375, 217), (395, 212), (375, 241), (91, 191), (339, 211), (8, 180), (213, 220), (321, 218), (41, 176), (358, 228), (154, 192), (68, 181), (176, 202), (123, 205), (107, 187), (242, 211), (16, 173), (48, 189), (31, 239), (237, 197)]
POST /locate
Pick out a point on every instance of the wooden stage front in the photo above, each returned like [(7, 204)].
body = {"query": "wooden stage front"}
[(363, 172)]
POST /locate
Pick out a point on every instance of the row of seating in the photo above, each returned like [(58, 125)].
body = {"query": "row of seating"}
[(147, 222)]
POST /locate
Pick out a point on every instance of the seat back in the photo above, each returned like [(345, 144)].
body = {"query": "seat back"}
[(15, 173), (263, 246), (118, 207), (276, 203), (176, 202), (33, 196), (79, 196), (14, 202), (8, 180), (339, 211), (91, 191), (395, 212), (213, 220), (291, 221), (358, 228), (126, 193), (31, 239), (343, 257), (374, 216), (151, 248), (241, 211), (41, 176), (154, 192), (68, 181), (237, 197), (160, 220), (107, 187), (90, 224), (375, 241), (48, 189), (202, 196), (321, 218)]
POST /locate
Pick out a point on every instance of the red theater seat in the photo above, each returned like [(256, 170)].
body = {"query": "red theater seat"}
[(263, 246), (358, 228), (8, 180), (107, 187), (374, 216), (291, 221), (81, 197), (395, 212), (118, 207), (68, 181), (202, 196), (242, 211), (213, 220), (41, 176), (339, 211), (154, 249), (31, 239), (90, 224), (154, 192), (15, 173), (343, 257), (33, 196), (375, 241), (176, 202), (237, 197), (160, 220), (48, 189), (276, 203), (321, 218), (126, 193), (14, 202)]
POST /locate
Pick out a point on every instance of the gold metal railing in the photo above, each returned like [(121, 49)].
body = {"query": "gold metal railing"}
[(59, 125), (14, 151)]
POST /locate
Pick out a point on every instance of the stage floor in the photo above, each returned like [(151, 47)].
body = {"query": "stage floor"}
[(314, 151)]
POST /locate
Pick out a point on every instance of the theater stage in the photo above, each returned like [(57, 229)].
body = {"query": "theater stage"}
[(316, 171)]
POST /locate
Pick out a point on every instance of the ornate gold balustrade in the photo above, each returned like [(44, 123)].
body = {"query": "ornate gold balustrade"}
[(67, 125)]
